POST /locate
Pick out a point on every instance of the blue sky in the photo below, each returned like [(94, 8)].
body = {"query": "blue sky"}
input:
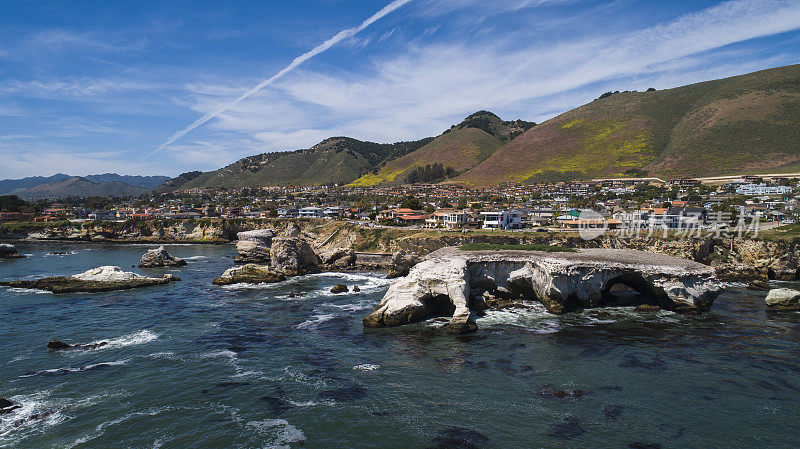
[(92, 87)]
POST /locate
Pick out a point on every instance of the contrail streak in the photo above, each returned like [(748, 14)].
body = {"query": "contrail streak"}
[(338, 37)]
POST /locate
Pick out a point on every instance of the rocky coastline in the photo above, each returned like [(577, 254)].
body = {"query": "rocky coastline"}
[(351, 247), (456, 283)]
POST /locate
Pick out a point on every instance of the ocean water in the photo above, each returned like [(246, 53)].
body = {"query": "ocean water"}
[(197, 366)]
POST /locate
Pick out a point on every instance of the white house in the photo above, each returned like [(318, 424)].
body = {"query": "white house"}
[(762, 189), (502, 220), (311, 212)]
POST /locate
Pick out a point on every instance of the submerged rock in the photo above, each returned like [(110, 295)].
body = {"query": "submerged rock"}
[(646, 308), (356, 288), (9, 252), (460, 325), (783, 299), (102, 279), (58, 345), (551, 391), (459, 438), (450, 282), (339, 288), (293, 256), (7, 406), (251, 274), (159, 257), (758, 285)]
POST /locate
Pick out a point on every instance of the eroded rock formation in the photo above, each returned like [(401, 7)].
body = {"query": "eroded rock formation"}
[(293, 256), (783, 299), (455, 283), (253, 246), (251, 274), (159, 257)]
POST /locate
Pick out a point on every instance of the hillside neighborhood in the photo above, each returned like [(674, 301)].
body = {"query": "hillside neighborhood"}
[(619, 205)]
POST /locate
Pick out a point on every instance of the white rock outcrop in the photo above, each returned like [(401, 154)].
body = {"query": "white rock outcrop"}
[(783, 299), (159, 257), (450, 281), (108, 273)]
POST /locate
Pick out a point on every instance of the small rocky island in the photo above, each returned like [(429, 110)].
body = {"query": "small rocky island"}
[(102, 279), (159, 257), (457, 283), (270, 259), (8, 251)]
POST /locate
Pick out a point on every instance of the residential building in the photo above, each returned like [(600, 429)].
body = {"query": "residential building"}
[(502, 220)]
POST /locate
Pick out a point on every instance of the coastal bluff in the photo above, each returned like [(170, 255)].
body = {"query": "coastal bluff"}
[(457, 283)]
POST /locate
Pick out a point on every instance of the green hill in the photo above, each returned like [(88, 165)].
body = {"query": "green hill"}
[(337, 160), (743, 124), (461, 147)]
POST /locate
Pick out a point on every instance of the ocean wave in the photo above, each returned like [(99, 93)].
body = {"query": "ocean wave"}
[(195, 257), (220, 353), (69, 369), (366, 367), (101, 428), (164, 355), (279, 430), (35, 411), (61, 254), (28, 290), (136, 338), (534, 318), (315, 321)]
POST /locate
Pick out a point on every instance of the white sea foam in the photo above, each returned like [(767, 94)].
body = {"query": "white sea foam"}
[(225, 353), (314, 322), (28, 290), (366, 367), (101, 428), (534, 318), (195, 258), (66, 253), (71, 369), (136, 338), (280, 430), (35, 411)]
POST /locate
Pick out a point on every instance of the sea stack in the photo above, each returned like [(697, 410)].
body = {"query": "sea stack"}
[(159, 257)]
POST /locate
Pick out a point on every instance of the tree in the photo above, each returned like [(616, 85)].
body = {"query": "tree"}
[(97, 202), (410, 202), (12, 203), (462, 203)]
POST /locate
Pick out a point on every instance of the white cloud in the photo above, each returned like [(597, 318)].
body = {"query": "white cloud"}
[(424, 90)]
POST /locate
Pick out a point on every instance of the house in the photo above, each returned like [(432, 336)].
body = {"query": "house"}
[(502, 220), (310, 212), (288, 212), (333, 212), (447, 218), (411, 219), (102, 215), (762, 189)]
